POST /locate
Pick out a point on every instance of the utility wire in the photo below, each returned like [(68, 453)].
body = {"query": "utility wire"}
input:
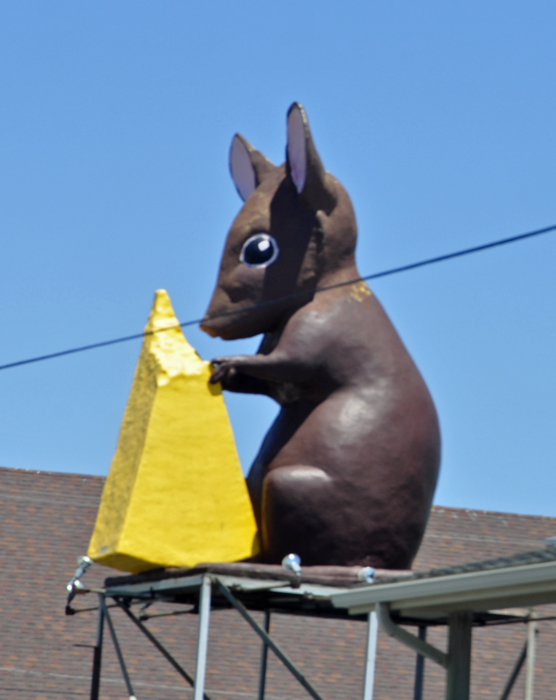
[(309, 292)]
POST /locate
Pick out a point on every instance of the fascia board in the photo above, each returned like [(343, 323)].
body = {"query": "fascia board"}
[(482, 597), (428, 591), (440, 606), (435, 610)]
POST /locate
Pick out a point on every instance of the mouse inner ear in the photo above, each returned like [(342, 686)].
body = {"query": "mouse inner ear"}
[(241, 168), (247, 166), (297, 148), (304, 165)]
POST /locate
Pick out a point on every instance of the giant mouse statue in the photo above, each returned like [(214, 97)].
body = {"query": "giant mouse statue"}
[(347, 472)]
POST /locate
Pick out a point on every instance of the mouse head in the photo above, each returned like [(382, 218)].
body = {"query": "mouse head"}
[(295, 232)]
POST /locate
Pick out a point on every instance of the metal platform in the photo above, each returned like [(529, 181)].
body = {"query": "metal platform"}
[(459, 597), (245, 587)]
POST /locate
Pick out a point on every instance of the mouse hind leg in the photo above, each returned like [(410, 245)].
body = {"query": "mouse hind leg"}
[(302, 513)]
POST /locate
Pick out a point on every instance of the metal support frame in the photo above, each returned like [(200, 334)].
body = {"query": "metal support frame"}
[(264, 656), (370, 656), (150, 636), (418, 601), (420, 667), (268, 641), (202, 640), (514, 674), (117, 647), (457, 661), (97, 656), (459, 655), (410, 640)]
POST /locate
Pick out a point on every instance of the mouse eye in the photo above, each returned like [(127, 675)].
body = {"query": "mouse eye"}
[(260, 250)]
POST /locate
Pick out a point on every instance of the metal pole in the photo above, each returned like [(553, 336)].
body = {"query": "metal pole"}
[(97, 656), (264, 656), (420, 667), (269, 641), (370, 660), (530, 667), (459, 656), (202, 640), (118, 650)]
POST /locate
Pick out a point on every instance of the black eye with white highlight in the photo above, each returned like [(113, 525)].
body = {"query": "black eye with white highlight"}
[(260, 250)]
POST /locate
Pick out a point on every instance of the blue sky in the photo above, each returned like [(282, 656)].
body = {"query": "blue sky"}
[(438, 117)]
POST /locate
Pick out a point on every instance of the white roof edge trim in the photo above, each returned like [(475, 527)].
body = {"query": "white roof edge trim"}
[(449, 584)]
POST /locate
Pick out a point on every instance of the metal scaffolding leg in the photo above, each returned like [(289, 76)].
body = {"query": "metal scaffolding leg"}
[(459, 656), (269, 642), (530, 667), (370, 660), (420, 667), (202, 640), (264, 656), (97, 656), (117, 647)]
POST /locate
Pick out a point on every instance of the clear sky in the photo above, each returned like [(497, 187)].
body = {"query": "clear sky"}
[(439, 117)]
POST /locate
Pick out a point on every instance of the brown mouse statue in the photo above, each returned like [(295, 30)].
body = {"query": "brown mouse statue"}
[(347, 472)]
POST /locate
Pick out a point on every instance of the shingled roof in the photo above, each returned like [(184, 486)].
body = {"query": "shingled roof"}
[(47, 519)]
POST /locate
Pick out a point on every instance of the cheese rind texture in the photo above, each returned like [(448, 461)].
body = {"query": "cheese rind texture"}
[(175, 494)]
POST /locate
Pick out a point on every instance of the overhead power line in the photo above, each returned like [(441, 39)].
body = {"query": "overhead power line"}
[(290, 297)]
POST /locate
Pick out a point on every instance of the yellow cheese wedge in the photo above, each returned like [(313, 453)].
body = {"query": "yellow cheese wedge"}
[(175, 494)]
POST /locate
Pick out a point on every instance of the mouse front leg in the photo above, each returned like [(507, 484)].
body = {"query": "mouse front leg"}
[(233, 380), (277, 367)]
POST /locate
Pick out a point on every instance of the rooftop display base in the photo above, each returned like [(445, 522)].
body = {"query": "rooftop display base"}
[(461, 597)]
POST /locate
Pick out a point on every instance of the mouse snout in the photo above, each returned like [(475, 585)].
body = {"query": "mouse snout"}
[(207, 329)]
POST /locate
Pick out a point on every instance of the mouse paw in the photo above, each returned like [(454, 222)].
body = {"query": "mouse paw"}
[(225, 369)]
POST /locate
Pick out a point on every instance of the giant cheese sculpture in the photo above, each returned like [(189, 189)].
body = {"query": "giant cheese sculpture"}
[(175, 494)]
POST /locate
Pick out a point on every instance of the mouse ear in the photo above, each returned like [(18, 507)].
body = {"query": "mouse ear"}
[(304, 165), (247, 166)]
